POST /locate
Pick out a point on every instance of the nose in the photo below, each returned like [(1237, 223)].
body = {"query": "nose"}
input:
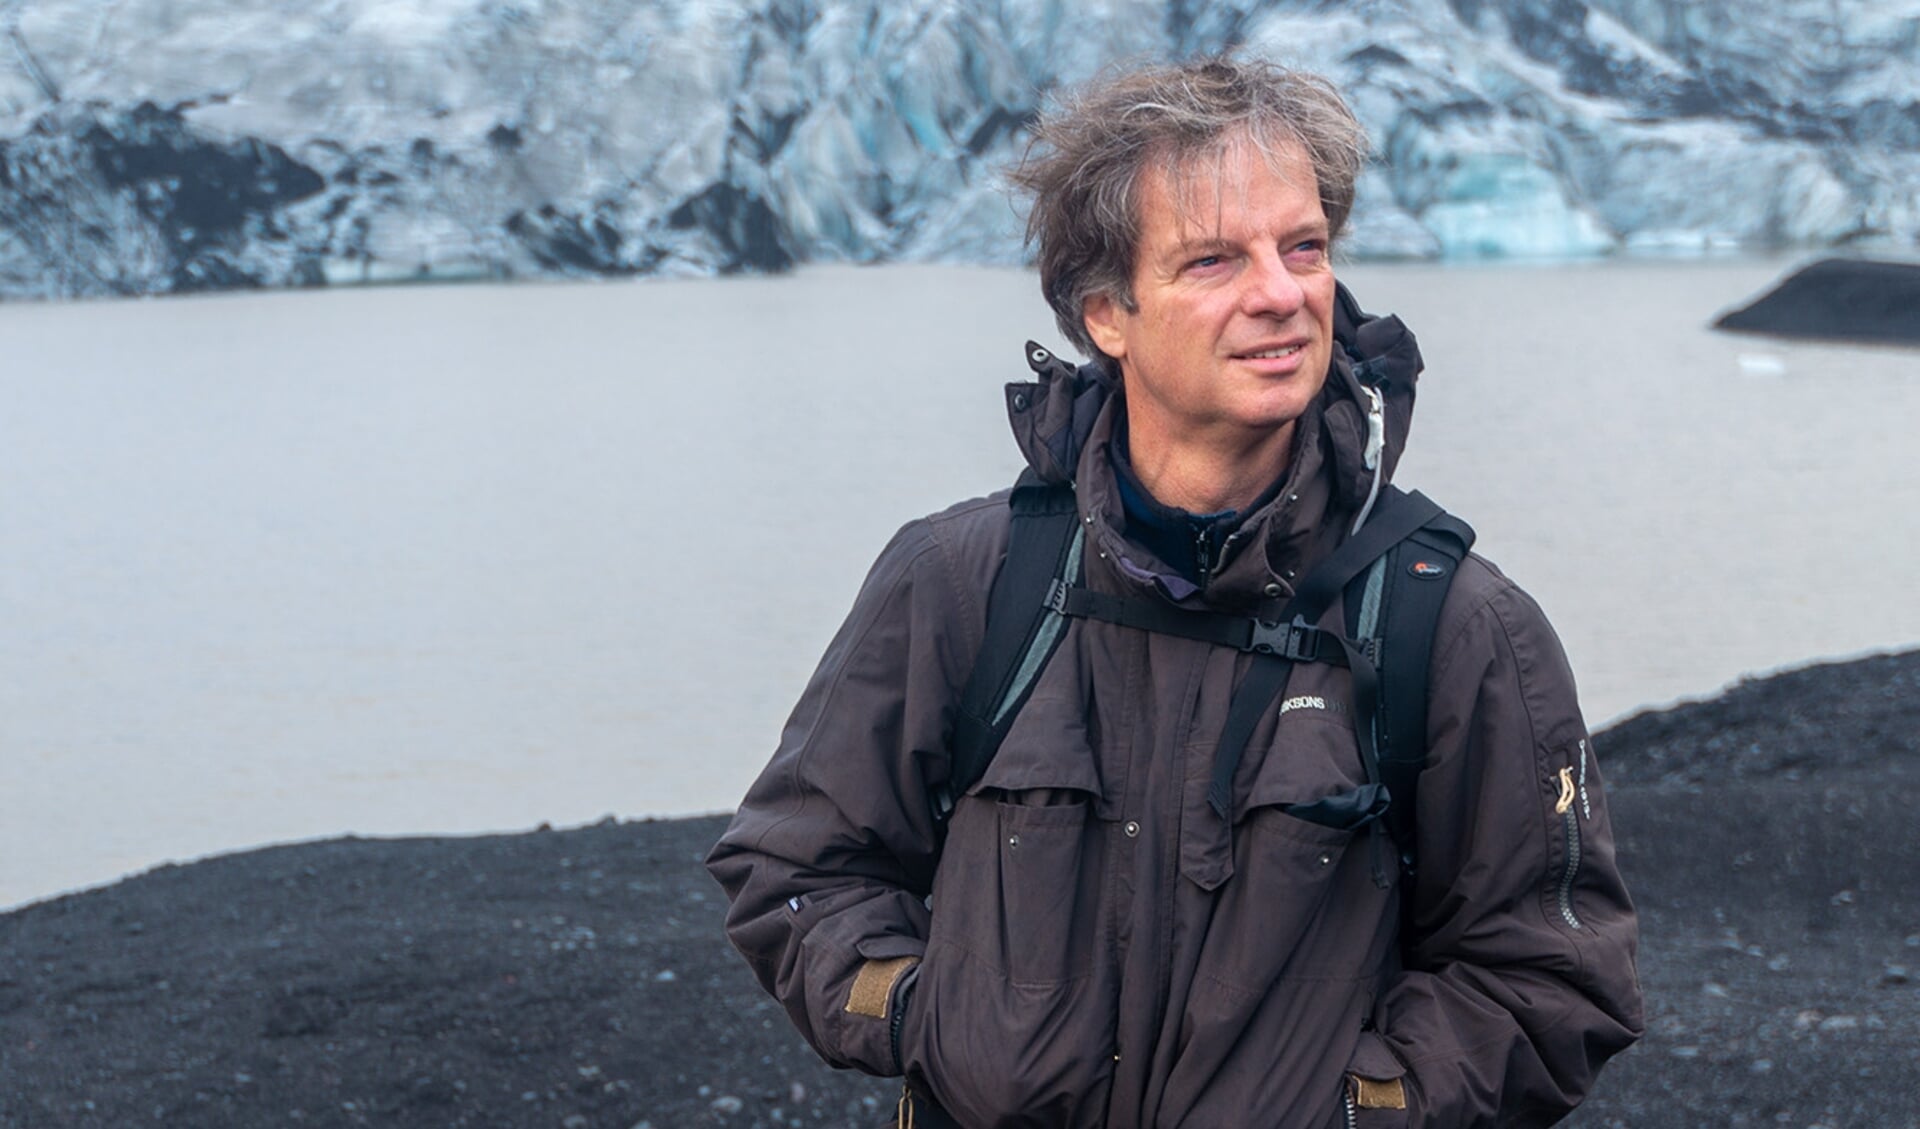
[(1271, 290)]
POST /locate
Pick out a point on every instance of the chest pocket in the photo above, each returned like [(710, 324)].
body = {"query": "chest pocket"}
[(1305, 767), (1298, 858), (1025, 857)]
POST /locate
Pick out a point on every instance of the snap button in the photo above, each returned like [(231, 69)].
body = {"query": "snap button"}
[(1019, 401), (1132, 829), (1326, 858), (1274, 589), (1013, 840)]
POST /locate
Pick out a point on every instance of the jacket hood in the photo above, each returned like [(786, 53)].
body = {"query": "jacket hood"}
[(1053, 415)]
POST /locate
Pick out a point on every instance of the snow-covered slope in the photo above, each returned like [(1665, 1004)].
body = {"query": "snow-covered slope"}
[(154, 145)]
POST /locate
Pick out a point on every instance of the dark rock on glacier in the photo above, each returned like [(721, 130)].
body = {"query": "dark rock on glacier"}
[(575, 244), (751, 232), (1838, 299), (110, 202)]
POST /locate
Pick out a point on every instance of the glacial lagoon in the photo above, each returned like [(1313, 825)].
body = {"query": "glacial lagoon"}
[(441, 560)]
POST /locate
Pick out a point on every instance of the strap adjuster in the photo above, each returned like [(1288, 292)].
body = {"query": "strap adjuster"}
[(1056, 600)]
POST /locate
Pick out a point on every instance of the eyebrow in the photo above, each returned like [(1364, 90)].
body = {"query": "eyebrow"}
[(1212, 243), (1187, 247)]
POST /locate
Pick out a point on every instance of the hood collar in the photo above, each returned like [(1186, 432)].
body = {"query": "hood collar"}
[(1053, 415)]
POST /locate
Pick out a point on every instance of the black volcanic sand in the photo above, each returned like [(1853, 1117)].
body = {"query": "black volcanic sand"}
[(1858, 300), (578, 980)]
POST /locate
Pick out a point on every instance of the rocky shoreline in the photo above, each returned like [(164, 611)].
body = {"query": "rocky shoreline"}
[(578, 980)]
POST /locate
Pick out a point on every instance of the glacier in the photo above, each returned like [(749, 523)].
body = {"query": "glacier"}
[(153, 146)]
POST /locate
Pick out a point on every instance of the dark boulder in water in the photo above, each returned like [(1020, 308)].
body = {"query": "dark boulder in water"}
[(1839, 299)]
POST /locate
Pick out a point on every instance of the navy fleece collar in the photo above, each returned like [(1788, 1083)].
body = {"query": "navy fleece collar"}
[(1187, 542)]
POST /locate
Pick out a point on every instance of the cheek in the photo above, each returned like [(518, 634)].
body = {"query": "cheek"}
[(1322, 305), (1187, 327)]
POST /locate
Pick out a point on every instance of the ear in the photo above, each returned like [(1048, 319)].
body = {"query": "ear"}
[(1106, 321)]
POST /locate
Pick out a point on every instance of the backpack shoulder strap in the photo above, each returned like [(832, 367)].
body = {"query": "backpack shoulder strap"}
[(1043, 545), (1397, 517), (1398, 602)]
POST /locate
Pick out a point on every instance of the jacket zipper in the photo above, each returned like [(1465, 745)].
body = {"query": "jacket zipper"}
[(1206, 555), (898, 1020), (1563, 807), (1346, 1100)]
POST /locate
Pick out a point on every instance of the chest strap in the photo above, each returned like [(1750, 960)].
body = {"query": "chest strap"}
[(1278, 644), (1296, 641)]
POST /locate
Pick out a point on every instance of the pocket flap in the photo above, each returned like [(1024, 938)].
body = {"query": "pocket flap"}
[(1343, 811), (1046, 748)]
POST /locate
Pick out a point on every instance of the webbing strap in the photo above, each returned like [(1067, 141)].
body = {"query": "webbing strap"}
[(1261, 685), (1256, 693), (1297, 640), (1044, 556), (1396, 516)]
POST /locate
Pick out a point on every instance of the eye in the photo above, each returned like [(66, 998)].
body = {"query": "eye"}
[(1203, 262), (1308, 251)]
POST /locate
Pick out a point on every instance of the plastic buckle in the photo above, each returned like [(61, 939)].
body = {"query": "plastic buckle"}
[(1296, 642)]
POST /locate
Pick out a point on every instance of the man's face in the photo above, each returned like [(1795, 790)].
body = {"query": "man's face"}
[(1232, 329)]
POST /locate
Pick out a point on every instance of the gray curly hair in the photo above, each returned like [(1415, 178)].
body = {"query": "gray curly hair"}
[(1088, 151)]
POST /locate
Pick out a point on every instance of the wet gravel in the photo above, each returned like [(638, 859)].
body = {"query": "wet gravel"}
[(578, 980)]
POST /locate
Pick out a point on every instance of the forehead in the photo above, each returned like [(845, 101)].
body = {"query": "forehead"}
[(1216, 192)]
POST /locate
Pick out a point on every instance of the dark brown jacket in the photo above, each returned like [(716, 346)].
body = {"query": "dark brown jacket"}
[(1100, 948)]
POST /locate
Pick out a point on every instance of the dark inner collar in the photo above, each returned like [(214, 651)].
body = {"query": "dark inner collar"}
[(1192, 544)]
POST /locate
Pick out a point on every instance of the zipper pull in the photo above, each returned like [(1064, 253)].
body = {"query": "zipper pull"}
[(1376, 426), (1586, 805), (1203, 553), (1567, 790)]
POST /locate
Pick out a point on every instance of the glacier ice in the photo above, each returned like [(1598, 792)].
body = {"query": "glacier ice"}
[(157, 145)]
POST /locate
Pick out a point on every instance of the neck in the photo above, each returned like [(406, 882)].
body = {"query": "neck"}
[(1207, 477)]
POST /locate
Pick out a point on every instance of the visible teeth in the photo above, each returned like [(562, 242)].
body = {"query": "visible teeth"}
[(1271, 354)]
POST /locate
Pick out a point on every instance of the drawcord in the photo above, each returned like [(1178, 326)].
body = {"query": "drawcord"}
[(1376, 442)]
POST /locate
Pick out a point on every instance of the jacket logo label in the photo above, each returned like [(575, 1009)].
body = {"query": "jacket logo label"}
[(1313, 702), (1427, 570)]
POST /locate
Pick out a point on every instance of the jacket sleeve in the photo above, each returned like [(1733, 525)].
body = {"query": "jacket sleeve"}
[(827, 861), (1520, 978)]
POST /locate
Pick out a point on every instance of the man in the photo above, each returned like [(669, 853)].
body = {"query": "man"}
[(1104, 946)]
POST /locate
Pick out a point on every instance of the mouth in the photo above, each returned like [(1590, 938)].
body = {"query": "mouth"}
[(1273, 354)]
